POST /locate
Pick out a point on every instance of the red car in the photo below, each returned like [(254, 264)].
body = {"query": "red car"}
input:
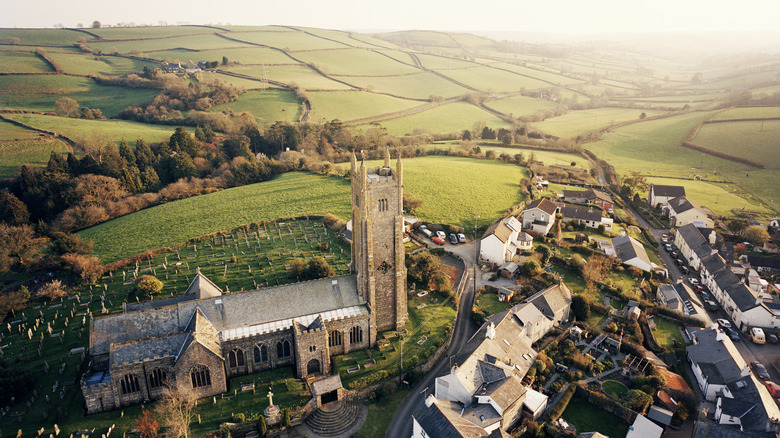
[(773, 388), (437, 239)]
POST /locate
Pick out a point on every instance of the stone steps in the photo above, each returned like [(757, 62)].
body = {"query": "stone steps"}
[(333, 422)]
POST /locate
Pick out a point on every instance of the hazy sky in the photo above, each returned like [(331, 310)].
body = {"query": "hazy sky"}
[(554, 16)]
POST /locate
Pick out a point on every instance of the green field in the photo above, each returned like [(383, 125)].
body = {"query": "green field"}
[(34, 151), (288, 39), (39, 93), (667, 334), (547, 158), (575, 123), (490, 79), (267, 106), (195, 42), (242, 55), (351, 105), (301, 75), (288, 195), (443, 62), (81, 64), (106, 131), (120, 33), (417, 86), (754, 140), (721, 199), (355, 62), (760, 112), (588, 418), (23, 62), (521, 105), (452, 117), (44, 36)]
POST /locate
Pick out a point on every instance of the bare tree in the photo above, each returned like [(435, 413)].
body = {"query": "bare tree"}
[(176, 410)]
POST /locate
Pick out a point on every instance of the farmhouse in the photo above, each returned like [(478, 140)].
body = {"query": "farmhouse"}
[(725, 378), (539, 215), (202, 339), (483, 393), (590, 217), (501, 241), (632, 253), (682, 211), (660, 195), (590, 196)]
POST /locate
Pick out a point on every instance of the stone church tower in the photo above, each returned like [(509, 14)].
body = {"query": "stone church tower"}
[(377, 243)]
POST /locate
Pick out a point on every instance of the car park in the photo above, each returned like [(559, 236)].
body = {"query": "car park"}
[(437, 239), (461, 238), (760, 369), (453, 239), (724, 324), (441, 234)]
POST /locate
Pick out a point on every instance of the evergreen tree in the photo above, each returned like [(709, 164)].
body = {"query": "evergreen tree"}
[(12, 210)]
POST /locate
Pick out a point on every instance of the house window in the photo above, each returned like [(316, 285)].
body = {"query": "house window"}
[(201, 376), (335, 338), (355, 335), (236, 358), (130, 384), (156, 378), (261, 353), (283, 349)]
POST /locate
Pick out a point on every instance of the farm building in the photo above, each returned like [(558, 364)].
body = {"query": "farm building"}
[(660, 195), (203, 338), (539, 215)]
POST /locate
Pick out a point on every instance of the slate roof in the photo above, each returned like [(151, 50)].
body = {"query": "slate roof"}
[(628, 248), (552, 300), (751, 403), (660, 415), (713, 263), (149, 348), (482, 415), (696, 242), (326, 385), (202, 287), (543, 204), (667, 191), (681, 204), (440, 420), (717, 357), (580, 213), (764, 261), (505, 392), (589, 194), (742, 296)]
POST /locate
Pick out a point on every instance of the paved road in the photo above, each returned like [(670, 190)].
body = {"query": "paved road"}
[(401, 424)]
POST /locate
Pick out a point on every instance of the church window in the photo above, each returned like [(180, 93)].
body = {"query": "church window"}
[(261, 353), (312, 348), (200, 376), (334, 338), (283, 349), (129, 384), (157, 378), (383, 205), (355, 335), (236, 358)]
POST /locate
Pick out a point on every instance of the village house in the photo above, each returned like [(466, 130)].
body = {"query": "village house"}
[(682, 211), (724, 378), (590, 217), (589, 196), (201, 339), (539, 215), (660, 195), (632, 253), (483, 394), (680, 297), (501, 241)]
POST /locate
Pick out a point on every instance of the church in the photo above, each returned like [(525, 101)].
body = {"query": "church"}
[(202, 338)]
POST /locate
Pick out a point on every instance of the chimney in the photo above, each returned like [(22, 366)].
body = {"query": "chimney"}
[(429, 401), (491, 331)]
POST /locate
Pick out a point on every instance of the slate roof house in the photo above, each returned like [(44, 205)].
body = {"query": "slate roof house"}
[(589, 196), (539, 215), (660, 195), (680, 297), (632, 252), (725, 378), (682, 211), (501, 241), (201, 339), (591, 217), (483, 393)]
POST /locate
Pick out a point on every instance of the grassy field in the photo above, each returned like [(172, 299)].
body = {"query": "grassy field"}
[(268, 106), (380, 413), (195, 42), (520, 105), (288, 195), (754, 140), (355, 62), (39, 93), (490, 79), (105, 130), (748, 113), (34, 151), (588, 418), (490, 304), (721, 199), (545, 157), (288, 39), (118, 33), (44, 36), (418, 86), (242, 55), (81, 64), (453, 117), (302, 75), (576, 123), (354, 105), (667, 334), (23, 62)]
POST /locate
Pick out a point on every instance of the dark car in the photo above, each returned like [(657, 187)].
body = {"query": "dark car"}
[(453, 239), (733, 335), (772, 338), (760, 370), (684, 269), (711, 305), (705, 296)]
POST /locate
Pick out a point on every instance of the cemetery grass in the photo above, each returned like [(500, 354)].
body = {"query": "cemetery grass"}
[(263, 264), (588, 418), (380, 413), (291, 194)]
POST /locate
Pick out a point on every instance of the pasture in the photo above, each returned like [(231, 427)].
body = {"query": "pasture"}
[(451, 117), (301, 75), (289, 40), (31, 151), (722, 199), (104, 131), (755, 112), (195, 42), (754, 140), (552, 78), (576, 123), (84, 64), (34, 37), (416, 86), (351, 105), (123, 33), (23, 62), (493, 80), (520, 105), (246, 55), (545, 157), (268, 106), (355, 62)]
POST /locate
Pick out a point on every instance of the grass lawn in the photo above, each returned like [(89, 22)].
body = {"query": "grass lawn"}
[(490, 304), (380, 413), (666, 332), (588, 418), (614, 388)]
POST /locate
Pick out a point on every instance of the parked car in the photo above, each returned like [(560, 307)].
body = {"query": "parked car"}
[(665, 238), (698, 288), (711, 305), (723, 323), (461, 238), (437, 239), (678, 261), (668, 247), (673, 254), (705, 296), (772, 338), (693, 281), (684, 269), (760, 370), (453, 239), (757, 335), (441, 234), (773, 388), (733, 335)]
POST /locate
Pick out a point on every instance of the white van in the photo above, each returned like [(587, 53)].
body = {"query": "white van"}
[(757, 335)]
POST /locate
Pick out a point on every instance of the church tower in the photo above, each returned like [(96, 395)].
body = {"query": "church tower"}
[(377, 242)]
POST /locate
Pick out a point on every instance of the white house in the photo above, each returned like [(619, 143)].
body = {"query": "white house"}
[(539, 215), (660, 195), (502, 243), (682, 211), (591, 217), (632, 253)]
